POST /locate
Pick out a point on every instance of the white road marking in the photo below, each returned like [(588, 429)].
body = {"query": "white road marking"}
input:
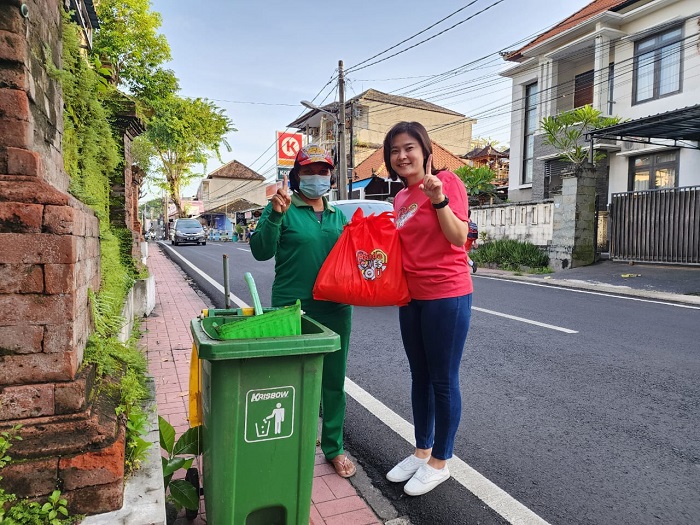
[(488, 492), (523, 320), (604, 294), (237, 300)]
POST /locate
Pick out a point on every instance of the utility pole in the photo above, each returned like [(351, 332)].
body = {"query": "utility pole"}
[(351, 169), (343, 159)]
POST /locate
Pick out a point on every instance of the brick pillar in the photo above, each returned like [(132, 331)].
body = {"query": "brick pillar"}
[(573, 235), (50, 258)]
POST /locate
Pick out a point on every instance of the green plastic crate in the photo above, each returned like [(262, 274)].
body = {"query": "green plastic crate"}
[(278, 322)]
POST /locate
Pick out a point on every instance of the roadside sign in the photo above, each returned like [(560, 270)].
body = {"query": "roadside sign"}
[(282, 171), (288, 145)]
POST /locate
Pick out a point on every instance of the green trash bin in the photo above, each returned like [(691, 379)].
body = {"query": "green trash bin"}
[(260, 399)]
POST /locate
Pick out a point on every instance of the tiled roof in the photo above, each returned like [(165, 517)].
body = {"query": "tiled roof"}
[(486, 151), (374, 164), (236, 206), (580, 16), (235, 170), (396, 100), (383, 98)]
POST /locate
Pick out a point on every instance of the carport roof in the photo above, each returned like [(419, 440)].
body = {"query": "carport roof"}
[(679, 124)]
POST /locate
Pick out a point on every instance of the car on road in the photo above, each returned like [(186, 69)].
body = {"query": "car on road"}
[(187, 231), (348, 207)]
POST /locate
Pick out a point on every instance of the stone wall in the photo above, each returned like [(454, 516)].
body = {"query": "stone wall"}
[(574, 239), (565, 226), (522, 221), (49, 261)]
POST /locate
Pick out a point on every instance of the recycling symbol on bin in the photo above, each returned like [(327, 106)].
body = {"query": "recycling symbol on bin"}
[(269, 414)]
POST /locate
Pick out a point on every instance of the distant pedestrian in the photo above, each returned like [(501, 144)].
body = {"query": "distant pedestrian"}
[(432, 217), (299, 231)]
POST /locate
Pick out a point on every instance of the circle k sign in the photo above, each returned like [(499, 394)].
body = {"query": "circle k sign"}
[(288, 145)]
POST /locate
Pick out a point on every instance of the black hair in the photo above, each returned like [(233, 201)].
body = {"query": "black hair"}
[(418, 132)]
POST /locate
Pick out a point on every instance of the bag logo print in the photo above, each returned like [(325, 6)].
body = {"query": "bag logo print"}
[(371, 265)]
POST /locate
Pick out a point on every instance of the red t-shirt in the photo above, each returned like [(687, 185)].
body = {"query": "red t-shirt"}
[(435, 268)]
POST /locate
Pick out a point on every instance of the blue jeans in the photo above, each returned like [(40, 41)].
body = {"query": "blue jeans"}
[(434, 333)]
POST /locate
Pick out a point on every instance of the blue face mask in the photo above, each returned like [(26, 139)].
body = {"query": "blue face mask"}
[(314, 186)]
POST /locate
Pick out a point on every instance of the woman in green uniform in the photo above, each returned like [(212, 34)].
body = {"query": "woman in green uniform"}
[(299, 230)]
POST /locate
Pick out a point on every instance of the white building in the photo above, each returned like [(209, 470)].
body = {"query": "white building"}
[(630, 59), (230, 183)]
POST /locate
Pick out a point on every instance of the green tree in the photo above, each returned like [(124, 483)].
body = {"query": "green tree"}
[(129, 42), (182, 133), (565, 132), (477, 180)]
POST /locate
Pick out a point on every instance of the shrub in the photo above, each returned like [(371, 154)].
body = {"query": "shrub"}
[(510, 254)]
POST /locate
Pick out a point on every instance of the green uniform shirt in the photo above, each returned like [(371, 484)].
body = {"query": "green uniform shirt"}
[(300, 245)]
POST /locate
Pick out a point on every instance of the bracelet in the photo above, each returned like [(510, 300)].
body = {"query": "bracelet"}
[(442, 204)]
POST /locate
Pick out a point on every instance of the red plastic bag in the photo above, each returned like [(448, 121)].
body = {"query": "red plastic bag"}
[(364, 267)]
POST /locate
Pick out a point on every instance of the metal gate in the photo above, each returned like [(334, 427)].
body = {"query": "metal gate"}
[(656, 226)]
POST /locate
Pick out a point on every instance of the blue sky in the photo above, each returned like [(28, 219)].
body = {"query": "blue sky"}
[(258, 58)]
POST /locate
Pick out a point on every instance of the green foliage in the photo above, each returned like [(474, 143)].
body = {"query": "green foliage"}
[(6, 439), (92, 158), (129, 41), (90, 153), (180, 455), (152, 208), (25, 512), (182, 133), (477, 180), (510, 255), (566, 131), (136, 446)]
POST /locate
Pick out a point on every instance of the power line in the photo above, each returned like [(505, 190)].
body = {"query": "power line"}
[(427, 39), (412, 37)]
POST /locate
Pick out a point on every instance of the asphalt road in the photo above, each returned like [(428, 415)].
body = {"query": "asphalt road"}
[(581, 408)]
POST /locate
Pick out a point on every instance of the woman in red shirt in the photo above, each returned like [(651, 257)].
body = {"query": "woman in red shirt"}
[(432, 220)]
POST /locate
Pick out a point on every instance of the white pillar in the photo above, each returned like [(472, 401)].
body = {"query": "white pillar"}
[(600, 75), (547, 83)]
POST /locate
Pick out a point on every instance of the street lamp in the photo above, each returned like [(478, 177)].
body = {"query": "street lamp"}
[(342, 159)]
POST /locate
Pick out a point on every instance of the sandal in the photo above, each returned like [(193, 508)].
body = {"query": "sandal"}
[(343, 466)]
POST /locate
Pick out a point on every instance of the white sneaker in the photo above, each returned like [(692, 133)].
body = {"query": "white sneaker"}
[(426, 479), (407, 468)]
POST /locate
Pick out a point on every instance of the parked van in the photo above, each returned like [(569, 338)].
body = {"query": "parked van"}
[(187, 230)]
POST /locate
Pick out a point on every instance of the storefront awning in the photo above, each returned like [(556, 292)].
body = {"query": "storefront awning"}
[(680, 126), (357, 184)]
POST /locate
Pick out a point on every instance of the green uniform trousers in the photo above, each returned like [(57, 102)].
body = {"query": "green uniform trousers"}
[(336, 317)]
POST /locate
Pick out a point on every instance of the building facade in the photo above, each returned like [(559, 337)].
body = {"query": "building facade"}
[(629, 59), (372, 113)]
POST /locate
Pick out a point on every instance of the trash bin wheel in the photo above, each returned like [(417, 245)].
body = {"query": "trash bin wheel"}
[(192, 476)]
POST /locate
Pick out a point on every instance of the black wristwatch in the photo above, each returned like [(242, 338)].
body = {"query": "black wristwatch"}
[(442, 204)]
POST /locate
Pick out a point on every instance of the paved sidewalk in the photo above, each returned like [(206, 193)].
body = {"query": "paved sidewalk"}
[(167, 343), (659, 282)]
